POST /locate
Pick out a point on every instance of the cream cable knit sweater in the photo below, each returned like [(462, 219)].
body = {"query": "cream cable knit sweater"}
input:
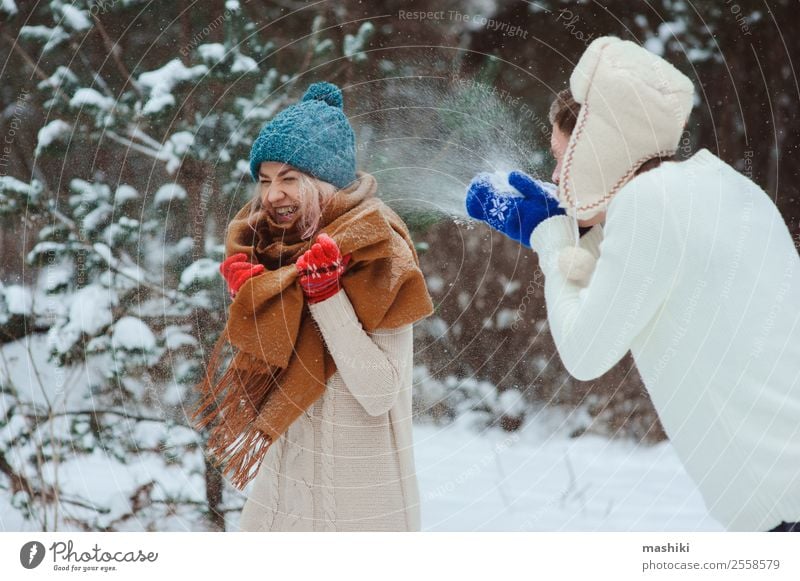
[(347, 464), (699, 278)]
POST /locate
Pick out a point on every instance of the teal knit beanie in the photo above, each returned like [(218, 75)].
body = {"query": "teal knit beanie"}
[(313, 136)]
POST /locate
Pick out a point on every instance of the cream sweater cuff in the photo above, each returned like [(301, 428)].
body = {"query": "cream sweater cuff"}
[(550, 237), (335, 312)]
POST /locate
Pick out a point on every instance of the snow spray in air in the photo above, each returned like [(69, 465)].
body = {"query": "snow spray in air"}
[(425, 138)]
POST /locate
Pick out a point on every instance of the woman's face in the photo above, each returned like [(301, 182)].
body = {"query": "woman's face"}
[(558, 143), (280, 191)]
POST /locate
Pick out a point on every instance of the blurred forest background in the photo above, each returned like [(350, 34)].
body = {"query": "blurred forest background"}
[(126, 127)]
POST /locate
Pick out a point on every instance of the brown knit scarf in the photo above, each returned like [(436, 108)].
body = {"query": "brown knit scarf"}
[(280, 365)]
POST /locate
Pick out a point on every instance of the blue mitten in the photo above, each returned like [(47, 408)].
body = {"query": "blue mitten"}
[(538, 204), (514, 216)]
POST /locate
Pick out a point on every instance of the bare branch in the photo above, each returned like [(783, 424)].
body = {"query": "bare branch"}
[(111, 46)]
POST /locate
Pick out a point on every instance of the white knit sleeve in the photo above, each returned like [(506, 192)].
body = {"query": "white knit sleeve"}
[(591, 240), (371, 364), (593, 327)]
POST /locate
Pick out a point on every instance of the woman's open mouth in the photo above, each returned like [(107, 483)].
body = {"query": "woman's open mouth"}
[(285, 213)]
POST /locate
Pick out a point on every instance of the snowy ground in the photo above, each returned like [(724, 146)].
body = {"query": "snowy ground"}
[(534, 481), (528, 482)]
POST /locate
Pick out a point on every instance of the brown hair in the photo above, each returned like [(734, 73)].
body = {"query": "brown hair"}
[(564, 112)]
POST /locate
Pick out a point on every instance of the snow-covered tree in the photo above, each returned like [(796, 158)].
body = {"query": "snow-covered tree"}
[(141, 160)]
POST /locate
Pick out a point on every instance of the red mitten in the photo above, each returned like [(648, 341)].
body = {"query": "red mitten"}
[(320, 269), (236, 270)]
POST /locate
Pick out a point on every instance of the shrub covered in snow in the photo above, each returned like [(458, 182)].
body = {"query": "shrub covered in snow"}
[(135, 180)]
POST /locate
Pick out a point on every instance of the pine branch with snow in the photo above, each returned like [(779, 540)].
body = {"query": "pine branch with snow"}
[(134, 183)]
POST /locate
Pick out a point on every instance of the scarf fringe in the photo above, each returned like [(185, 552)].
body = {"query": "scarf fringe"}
[(242, 459), (232, 405)]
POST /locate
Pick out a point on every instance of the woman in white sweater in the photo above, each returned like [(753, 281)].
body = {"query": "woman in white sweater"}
[(691, 267), (316, 404)]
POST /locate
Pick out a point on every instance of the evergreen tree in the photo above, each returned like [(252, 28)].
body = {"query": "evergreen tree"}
[(140, 162)]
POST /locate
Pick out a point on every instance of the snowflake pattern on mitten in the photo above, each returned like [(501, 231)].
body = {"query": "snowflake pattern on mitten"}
[(498, 212), (516, 216)]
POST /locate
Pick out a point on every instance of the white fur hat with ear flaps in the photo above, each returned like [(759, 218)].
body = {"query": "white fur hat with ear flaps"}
[(634, 107)]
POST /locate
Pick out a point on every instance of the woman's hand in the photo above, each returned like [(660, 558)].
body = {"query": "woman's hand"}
[(514, 216), (320, 269), (237, 270)]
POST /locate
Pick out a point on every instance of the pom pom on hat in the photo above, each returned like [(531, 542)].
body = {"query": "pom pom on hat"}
[(325, 92), (576, 264)]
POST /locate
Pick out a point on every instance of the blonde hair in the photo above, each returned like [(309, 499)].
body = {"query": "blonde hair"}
[(314, 197)]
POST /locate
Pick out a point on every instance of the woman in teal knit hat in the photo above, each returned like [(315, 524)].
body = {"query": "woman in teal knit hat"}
[(315, 406)]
